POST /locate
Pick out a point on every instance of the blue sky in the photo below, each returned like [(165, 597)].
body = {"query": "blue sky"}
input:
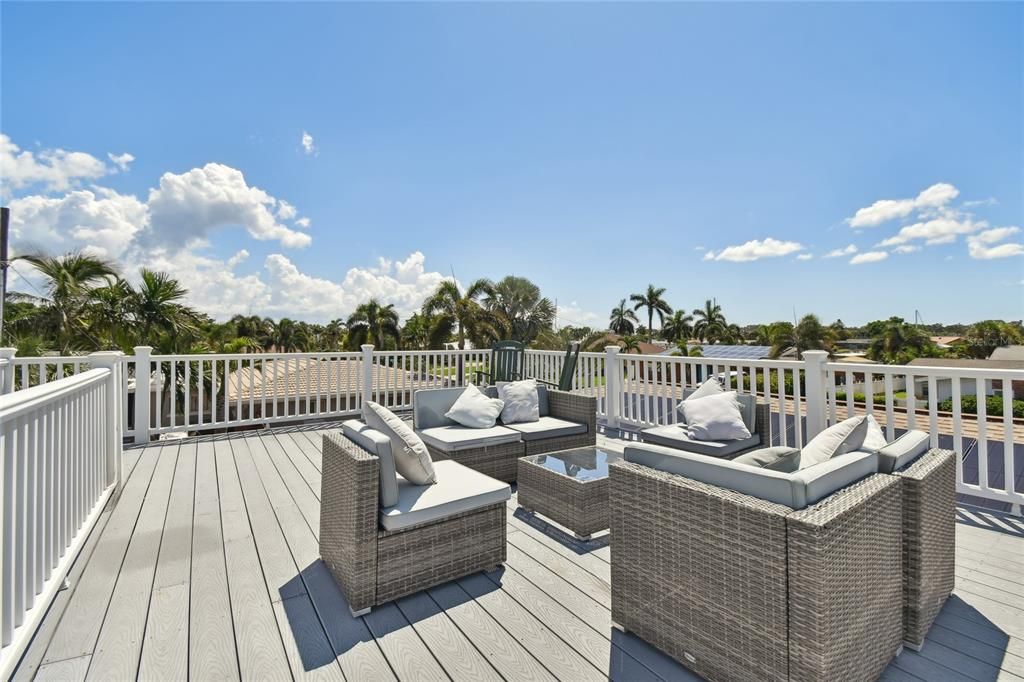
[(592, 148)]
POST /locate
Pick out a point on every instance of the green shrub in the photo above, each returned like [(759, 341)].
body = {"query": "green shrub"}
[(993, 405)]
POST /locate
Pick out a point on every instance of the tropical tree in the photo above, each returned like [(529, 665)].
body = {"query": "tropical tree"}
[(285, 336), (453, 312), (808, 334), (110, 312), (416, 332), (517, 310), (982, 338), (710, 324), (623, 320), (334, 334), (373, 322), (68, 281), (653, 300), (896, 342), (679, 327), (629, 343), (156, 307)]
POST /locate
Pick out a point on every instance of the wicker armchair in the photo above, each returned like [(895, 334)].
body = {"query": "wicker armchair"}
[(373, 565), (929, 540), (738, 588)]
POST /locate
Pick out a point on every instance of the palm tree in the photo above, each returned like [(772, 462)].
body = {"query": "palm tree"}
[(630, 343), (285, 336), (808, 334), (898, 343), (710, 324), (623, 320), (517, 309), (334, 333), (156, 308), (416, 332), (110, 313), (653, 300), (68, 281), (374, 323), (250, 326), (453, 311), (679, 327)]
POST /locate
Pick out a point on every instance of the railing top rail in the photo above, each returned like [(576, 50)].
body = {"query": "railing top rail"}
[(49, 358), (13, 405), (929, 371)]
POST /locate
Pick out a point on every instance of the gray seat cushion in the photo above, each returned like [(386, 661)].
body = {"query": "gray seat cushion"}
[(548, 427), (795, 490), (903, 451), (778, 458), (674, 436), (430, 404), (458, 489), (457, 437), (379, 444)]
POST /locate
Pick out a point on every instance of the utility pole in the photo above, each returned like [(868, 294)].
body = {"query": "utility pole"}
[(5, 218)]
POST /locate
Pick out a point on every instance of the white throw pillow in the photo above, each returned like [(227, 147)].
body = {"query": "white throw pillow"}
[(875, 438), (522, 402), (412, 459), (846, 436), (715, 417), (709, 387), (474, 409)]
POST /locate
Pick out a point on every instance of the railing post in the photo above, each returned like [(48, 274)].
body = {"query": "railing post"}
[(8, 374), (612, 381), (367, 349), (112, 360), (143, 393), (814, 392)]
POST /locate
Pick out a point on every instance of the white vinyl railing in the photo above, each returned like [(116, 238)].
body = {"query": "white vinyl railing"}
[(61, 446), (194, 393)]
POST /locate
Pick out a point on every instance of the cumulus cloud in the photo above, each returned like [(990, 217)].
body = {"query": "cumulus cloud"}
[(935, 197), (869, 257), (307, 143), (190, 205), (804, 256), (122, 161), (56, 170), (943, 230), (839, 253), (303, 223), (755, 249), (576, 316), (985, 245), (906, 248)]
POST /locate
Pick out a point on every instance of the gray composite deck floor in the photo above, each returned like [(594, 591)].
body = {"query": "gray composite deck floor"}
[(207, 568)]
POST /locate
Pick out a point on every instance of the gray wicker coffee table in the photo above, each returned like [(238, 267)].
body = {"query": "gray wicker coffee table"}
[(569, 487)]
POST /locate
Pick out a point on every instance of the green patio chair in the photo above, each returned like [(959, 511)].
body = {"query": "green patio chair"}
[(506, 362), (572, 354)]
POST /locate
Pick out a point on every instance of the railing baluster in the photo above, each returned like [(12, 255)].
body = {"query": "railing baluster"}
[(982, 425)]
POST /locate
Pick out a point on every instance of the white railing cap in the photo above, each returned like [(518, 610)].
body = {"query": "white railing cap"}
[(15, 404)]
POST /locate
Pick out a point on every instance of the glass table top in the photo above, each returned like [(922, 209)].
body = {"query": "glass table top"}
[(583, 464)]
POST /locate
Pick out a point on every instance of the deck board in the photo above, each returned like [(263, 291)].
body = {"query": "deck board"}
[(209, 564)]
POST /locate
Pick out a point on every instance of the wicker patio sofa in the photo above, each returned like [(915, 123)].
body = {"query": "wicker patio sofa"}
[(928, 478), (756, 416), (567, 420), (431, 535), (737, 587)]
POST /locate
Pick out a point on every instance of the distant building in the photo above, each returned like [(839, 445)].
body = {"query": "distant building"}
[(944, 386), (854, 344)]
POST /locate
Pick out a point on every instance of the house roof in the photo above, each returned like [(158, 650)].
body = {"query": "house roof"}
[(1008, 353), (308, 376), (967, 363), (945, 340)]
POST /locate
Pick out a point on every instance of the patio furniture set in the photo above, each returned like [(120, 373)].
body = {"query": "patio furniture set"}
[(740, 560)]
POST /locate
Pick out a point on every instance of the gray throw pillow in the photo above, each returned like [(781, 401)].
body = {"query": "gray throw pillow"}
[(779, 458), (846, 436), (412, 459), (474, 409), (709, 387), (522, 401)]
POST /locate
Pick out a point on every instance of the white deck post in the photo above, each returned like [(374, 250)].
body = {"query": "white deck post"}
[(143, 393), (814, 391), (612, 380), (8, 373), (112, 360), (367, 349)]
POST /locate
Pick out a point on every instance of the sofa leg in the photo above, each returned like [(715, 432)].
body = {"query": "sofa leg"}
[(619, 627), (360, 612), (582, 538)]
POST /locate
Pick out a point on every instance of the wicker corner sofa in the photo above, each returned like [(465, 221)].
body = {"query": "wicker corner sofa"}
[(567, 420), (373, 564), (739, 588)]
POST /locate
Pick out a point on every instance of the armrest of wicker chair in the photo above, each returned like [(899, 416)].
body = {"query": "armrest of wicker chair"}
[(929, 540), (846, 582), (575, 407), (700, 572), (348, 518)]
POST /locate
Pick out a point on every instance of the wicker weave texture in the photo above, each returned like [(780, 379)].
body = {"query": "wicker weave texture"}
[(845, 583), (581, 506), (929, 540), (700, 572), (348, 518), (415, 559), (496, 461)]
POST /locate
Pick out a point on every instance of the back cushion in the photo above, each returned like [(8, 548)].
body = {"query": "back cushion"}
[(838, 439), (430, 404), (377, 443), (542, 396)]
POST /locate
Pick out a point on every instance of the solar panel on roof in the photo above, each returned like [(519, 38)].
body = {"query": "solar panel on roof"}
[(727, 352)]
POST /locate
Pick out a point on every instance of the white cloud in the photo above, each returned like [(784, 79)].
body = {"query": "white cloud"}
[(906, 248), (189, 206), (979, 246), (869, 257), (55, 169), (996, 234), (576, 316), (839, 253), (303, 223), (755, 249), (122, 161), (943, 230), (804, 256), (285, 211), (935, 197), (307, 143), (991, 201)]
